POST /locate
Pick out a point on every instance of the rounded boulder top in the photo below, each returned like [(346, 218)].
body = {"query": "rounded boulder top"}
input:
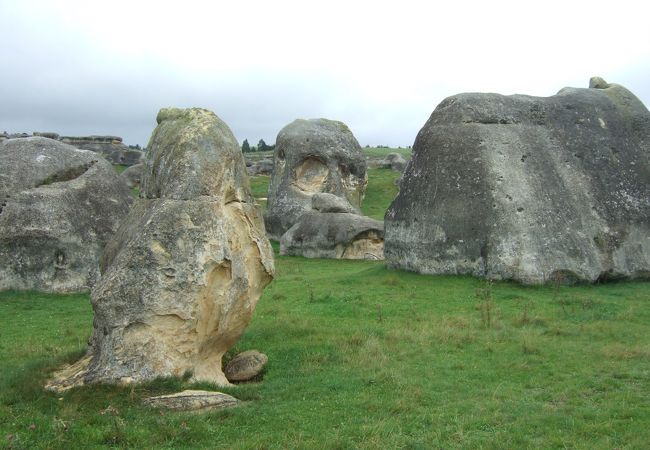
[(193, 153)]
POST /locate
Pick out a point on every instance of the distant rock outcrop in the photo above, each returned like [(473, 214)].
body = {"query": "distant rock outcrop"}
[(312, 156), (59, 207), (527, 188), (110, 147), (181, 277)]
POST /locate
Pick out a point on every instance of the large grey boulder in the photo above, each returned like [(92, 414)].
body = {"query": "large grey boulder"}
[(312, 156), (335, 236), (184, 272), (110, 147), (527, 188), (59, 206)]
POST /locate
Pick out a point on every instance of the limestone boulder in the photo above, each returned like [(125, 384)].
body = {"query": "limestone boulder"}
[(334, 235), (59, 206), (528, 188), (183, 274), (310, 157), (245, 366)]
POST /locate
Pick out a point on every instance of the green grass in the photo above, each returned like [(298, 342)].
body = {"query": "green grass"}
[(364, 357), (380, 192)]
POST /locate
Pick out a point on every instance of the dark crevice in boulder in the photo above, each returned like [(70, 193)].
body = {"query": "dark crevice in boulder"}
[(67, 174)]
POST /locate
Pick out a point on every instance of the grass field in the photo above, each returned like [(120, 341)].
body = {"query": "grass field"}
[(364, 357)]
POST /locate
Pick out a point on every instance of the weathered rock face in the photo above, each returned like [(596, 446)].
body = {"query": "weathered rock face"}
[(527, 188), (184, 272), (312, 156), (58, 208), (110, 147), (334, 235)]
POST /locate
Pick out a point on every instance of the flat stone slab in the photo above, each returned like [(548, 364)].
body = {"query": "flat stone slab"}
[(192, 400)]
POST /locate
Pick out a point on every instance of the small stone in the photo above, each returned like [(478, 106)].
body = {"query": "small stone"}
[(192, 400), (245, 366)]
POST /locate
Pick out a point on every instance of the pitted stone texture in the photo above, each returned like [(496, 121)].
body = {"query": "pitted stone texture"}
[(59, 206), (334, 235), (184, 272), (313, 156), (527, 188)]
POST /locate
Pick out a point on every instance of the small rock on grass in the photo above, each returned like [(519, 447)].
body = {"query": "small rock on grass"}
[(245, 366), (192, 400)]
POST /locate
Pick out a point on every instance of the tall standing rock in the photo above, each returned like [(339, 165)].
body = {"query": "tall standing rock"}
[(528, 188), (59, 206), (183, 274), (313, 156)]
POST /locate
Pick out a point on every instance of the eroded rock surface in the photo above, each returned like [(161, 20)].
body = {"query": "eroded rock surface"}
[(334, 235), (313, 156), (184, 272), (528, 188), (59, 206)]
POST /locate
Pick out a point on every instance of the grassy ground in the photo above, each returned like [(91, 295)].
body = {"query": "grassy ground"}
[(363, 357)]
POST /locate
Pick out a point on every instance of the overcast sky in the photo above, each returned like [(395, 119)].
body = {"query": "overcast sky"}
[(107, 67)]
